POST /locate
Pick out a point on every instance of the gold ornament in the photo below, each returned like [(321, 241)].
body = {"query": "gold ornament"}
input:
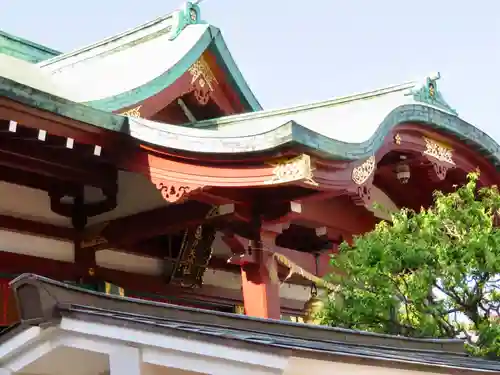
[(397, 139), (438, 151), (134, 112), (200, 71), (362, 173), (298, 168), (313, 307)]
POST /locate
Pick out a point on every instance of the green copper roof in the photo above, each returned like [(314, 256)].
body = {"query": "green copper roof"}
[(139, 63), (348, 128), (125, 69), (23, 49)]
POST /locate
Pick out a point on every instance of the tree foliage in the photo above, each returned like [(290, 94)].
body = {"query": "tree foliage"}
[(433, 273)]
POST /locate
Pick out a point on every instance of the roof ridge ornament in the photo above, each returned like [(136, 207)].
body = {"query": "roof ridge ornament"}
[(187, 14), (427, 92)]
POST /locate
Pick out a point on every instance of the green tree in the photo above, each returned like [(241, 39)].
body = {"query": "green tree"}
[(433, 273)]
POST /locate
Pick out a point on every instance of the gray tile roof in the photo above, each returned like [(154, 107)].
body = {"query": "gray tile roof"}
[(438, 358), (56, 299)]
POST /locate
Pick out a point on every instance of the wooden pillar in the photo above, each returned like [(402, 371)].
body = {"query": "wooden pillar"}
[(84, 258), (261, 297), (260, 294)]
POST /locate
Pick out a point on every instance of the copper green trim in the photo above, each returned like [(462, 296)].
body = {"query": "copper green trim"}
[(60, 106), (235, 76), (429, 93), (415, 113), (189, 14), (211, 38), (276, 138), (158, 84), (24, 49)]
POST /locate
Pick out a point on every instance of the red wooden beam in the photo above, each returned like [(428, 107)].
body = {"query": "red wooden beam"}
[(336, 213), (58, 124), (14, 264), (260, 291), (160, 221), (304, 260), (28, 179), (36, 228), (60, 164)]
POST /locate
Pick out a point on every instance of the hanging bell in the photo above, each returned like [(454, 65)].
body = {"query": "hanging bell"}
[(313, 307)]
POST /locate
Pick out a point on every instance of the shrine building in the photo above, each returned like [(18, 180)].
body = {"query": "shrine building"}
[(159, 176)]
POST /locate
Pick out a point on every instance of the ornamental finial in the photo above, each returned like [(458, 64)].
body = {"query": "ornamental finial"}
[(427, 92)]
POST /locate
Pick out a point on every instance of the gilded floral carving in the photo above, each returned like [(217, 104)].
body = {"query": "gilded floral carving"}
[(202, 74), (397, 139), (438, 172), (362, 173), (363, 196), (134, 112), (438, 151), (174, 192), (298, 168)]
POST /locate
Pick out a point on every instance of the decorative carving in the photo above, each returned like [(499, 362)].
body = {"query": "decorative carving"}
[(188, 14), (438, 151), (432, 89), (203, 80), (363, 196), (362, 173), (397, 139), (173, 192), (298, 168), (193, 15), (438, 172), (427, 92), (202, 75), (134, 112), (202, 95)]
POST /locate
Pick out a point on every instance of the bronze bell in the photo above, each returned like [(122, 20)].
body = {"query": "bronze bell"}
[(313, 307)]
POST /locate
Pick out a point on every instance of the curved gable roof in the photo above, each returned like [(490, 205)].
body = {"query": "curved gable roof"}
[(132, 66), (349, 127), (139, 63)]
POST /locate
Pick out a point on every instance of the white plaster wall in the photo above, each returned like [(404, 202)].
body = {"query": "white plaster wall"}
[(26, 203), (149, 266), (120, 261), (18, 243), (25, 244), (135, 194)]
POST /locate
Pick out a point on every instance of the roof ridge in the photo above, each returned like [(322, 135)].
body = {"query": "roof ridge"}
[(306, 107), (182, 18), (203, 326), (63, 294), (28, 42), (103, 42)]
